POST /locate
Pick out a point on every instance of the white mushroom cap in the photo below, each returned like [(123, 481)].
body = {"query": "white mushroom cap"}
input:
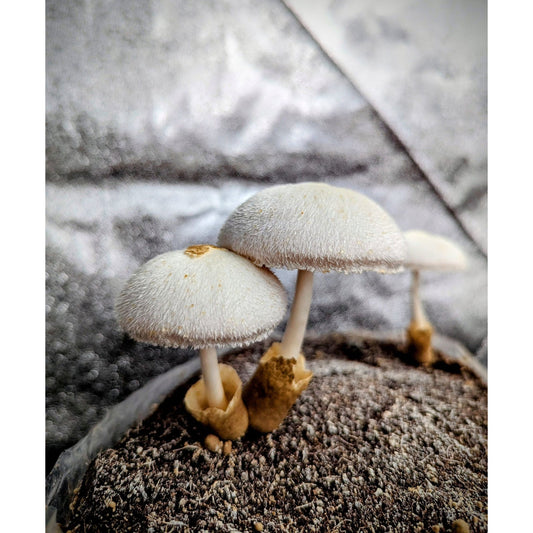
[(314, 226), (202, 296), (426, 251)]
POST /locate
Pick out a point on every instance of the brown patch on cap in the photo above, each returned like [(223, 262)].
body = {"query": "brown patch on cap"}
[(196, 250), (275, 386), (228, 424)]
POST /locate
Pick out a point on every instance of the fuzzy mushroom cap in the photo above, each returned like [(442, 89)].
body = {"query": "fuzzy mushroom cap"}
[(426, 251), (199, 297), (314, 226)]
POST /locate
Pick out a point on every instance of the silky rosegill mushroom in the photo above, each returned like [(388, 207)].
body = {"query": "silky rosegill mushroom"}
[(308, 227), (426, 251), (204, 297)]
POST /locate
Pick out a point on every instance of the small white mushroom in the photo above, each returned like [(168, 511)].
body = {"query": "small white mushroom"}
[(203, 297), (426, 251), (308, 227)]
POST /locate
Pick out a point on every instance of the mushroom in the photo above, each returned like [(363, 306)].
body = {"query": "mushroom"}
[(308, 227), (426, 251), (204, 297)]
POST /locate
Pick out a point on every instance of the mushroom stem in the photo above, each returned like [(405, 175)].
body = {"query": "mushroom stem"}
[(291, 344), (419, 316), (420, 331), (211, 374)]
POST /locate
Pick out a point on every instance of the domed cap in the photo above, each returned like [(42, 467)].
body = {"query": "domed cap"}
[(199, 297), (426, 251), (314, 226)]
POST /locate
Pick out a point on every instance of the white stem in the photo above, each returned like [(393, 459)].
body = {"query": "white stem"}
[(291, 344), (211, 374), (419, 316)]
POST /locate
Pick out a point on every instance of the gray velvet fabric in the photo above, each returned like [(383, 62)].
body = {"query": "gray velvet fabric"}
[(163, 116), (423, 66)]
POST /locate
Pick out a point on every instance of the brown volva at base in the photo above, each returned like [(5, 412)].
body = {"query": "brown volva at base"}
[(419, 343), (274, 387), (228, 424)]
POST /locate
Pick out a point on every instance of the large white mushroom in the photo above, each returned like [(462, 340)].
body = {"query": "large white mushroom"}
[(204, 297), (426, 251), (308, 227)]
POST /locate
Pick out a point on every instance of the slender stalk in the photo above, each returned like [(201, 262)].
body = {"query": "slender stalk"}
[(420, 331), (419, 316), (211, 374), (291, 344)]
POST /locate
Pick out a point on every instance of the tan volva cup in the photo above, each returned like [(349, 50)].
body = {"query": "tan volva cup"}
[(230, 423), (287, 378)]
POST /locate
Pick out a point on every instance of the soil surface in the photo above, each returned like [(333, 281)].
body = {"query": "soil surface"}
[(374, 444)]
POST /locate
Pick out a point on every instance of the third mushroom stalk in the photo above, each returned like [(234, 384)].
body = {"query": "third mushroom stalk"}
[(426, 251), (308, 227)]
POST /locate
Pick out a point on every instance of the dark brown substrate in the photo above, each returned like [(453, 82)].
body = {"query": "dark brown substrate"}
[(373, 445)]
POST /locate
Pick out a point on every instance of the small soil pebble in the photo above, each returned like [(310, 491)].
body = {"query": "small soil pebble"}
[(213, 443), (460, 526), (226, 449)]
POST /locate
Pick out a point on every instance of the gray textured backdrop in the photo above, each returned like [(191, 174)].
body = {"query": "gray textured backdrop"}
[(163, 116)]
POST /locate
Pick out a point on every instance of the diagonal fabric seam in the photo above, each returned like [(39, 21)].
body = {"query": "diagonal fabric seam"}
[(392, 133)]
